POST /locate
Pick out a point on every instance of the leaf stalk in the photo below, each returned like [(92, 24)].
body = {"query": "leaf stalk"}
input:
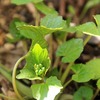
[(65, 74), (14, 78)]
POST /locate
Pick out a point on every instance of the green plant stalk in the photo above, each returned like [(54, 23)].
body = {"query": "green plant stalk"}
[(67, 83), (96, 93), (22, 88), (60, 71), (87, 39), (56, 62), (14, 78), (65, 74)]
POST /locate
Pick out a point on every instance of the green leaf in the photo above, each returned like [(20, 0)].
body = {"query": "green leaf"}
[(19, 2), (70, 50), (27, 73), (53, 21), (83, 93), (88, 72), (32, 32), (49, 24), (83, 75), (45, 9), (98, 84), (47, 90), (14, 31), (94, 66), (37, 64), (90, 28), (40, 41), (97, 19), (77, 67)]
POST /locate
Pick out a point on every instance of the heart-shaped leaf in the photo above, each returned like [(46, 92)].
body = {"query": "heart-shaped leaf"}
[(88, 71), (70, 50), (53, 21)]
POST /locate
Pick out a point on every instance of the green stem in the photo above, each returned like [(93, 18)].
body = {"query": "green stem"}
[(60, 71), (56, 62), (65, 74), (14, 78), (6, 97), (67, 83), (96, 93), (87, 39)]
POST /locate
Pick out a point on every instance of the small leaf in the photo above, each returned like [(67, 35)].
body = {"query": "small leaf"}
[(37, 64), (98, 84), (27, 73), (47, 90), (20, 30), (14, 31), (77, 67), (32, 32), (94, 66), (83, 93), (83, 75), (97, 19), (53, 21), (70, 50), (90, 28), (19, 2), (45, 9), (88, 72)]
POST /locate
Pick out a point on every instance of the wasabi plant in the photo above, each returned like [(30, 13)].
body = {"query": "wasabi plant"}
[(38, 62)]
